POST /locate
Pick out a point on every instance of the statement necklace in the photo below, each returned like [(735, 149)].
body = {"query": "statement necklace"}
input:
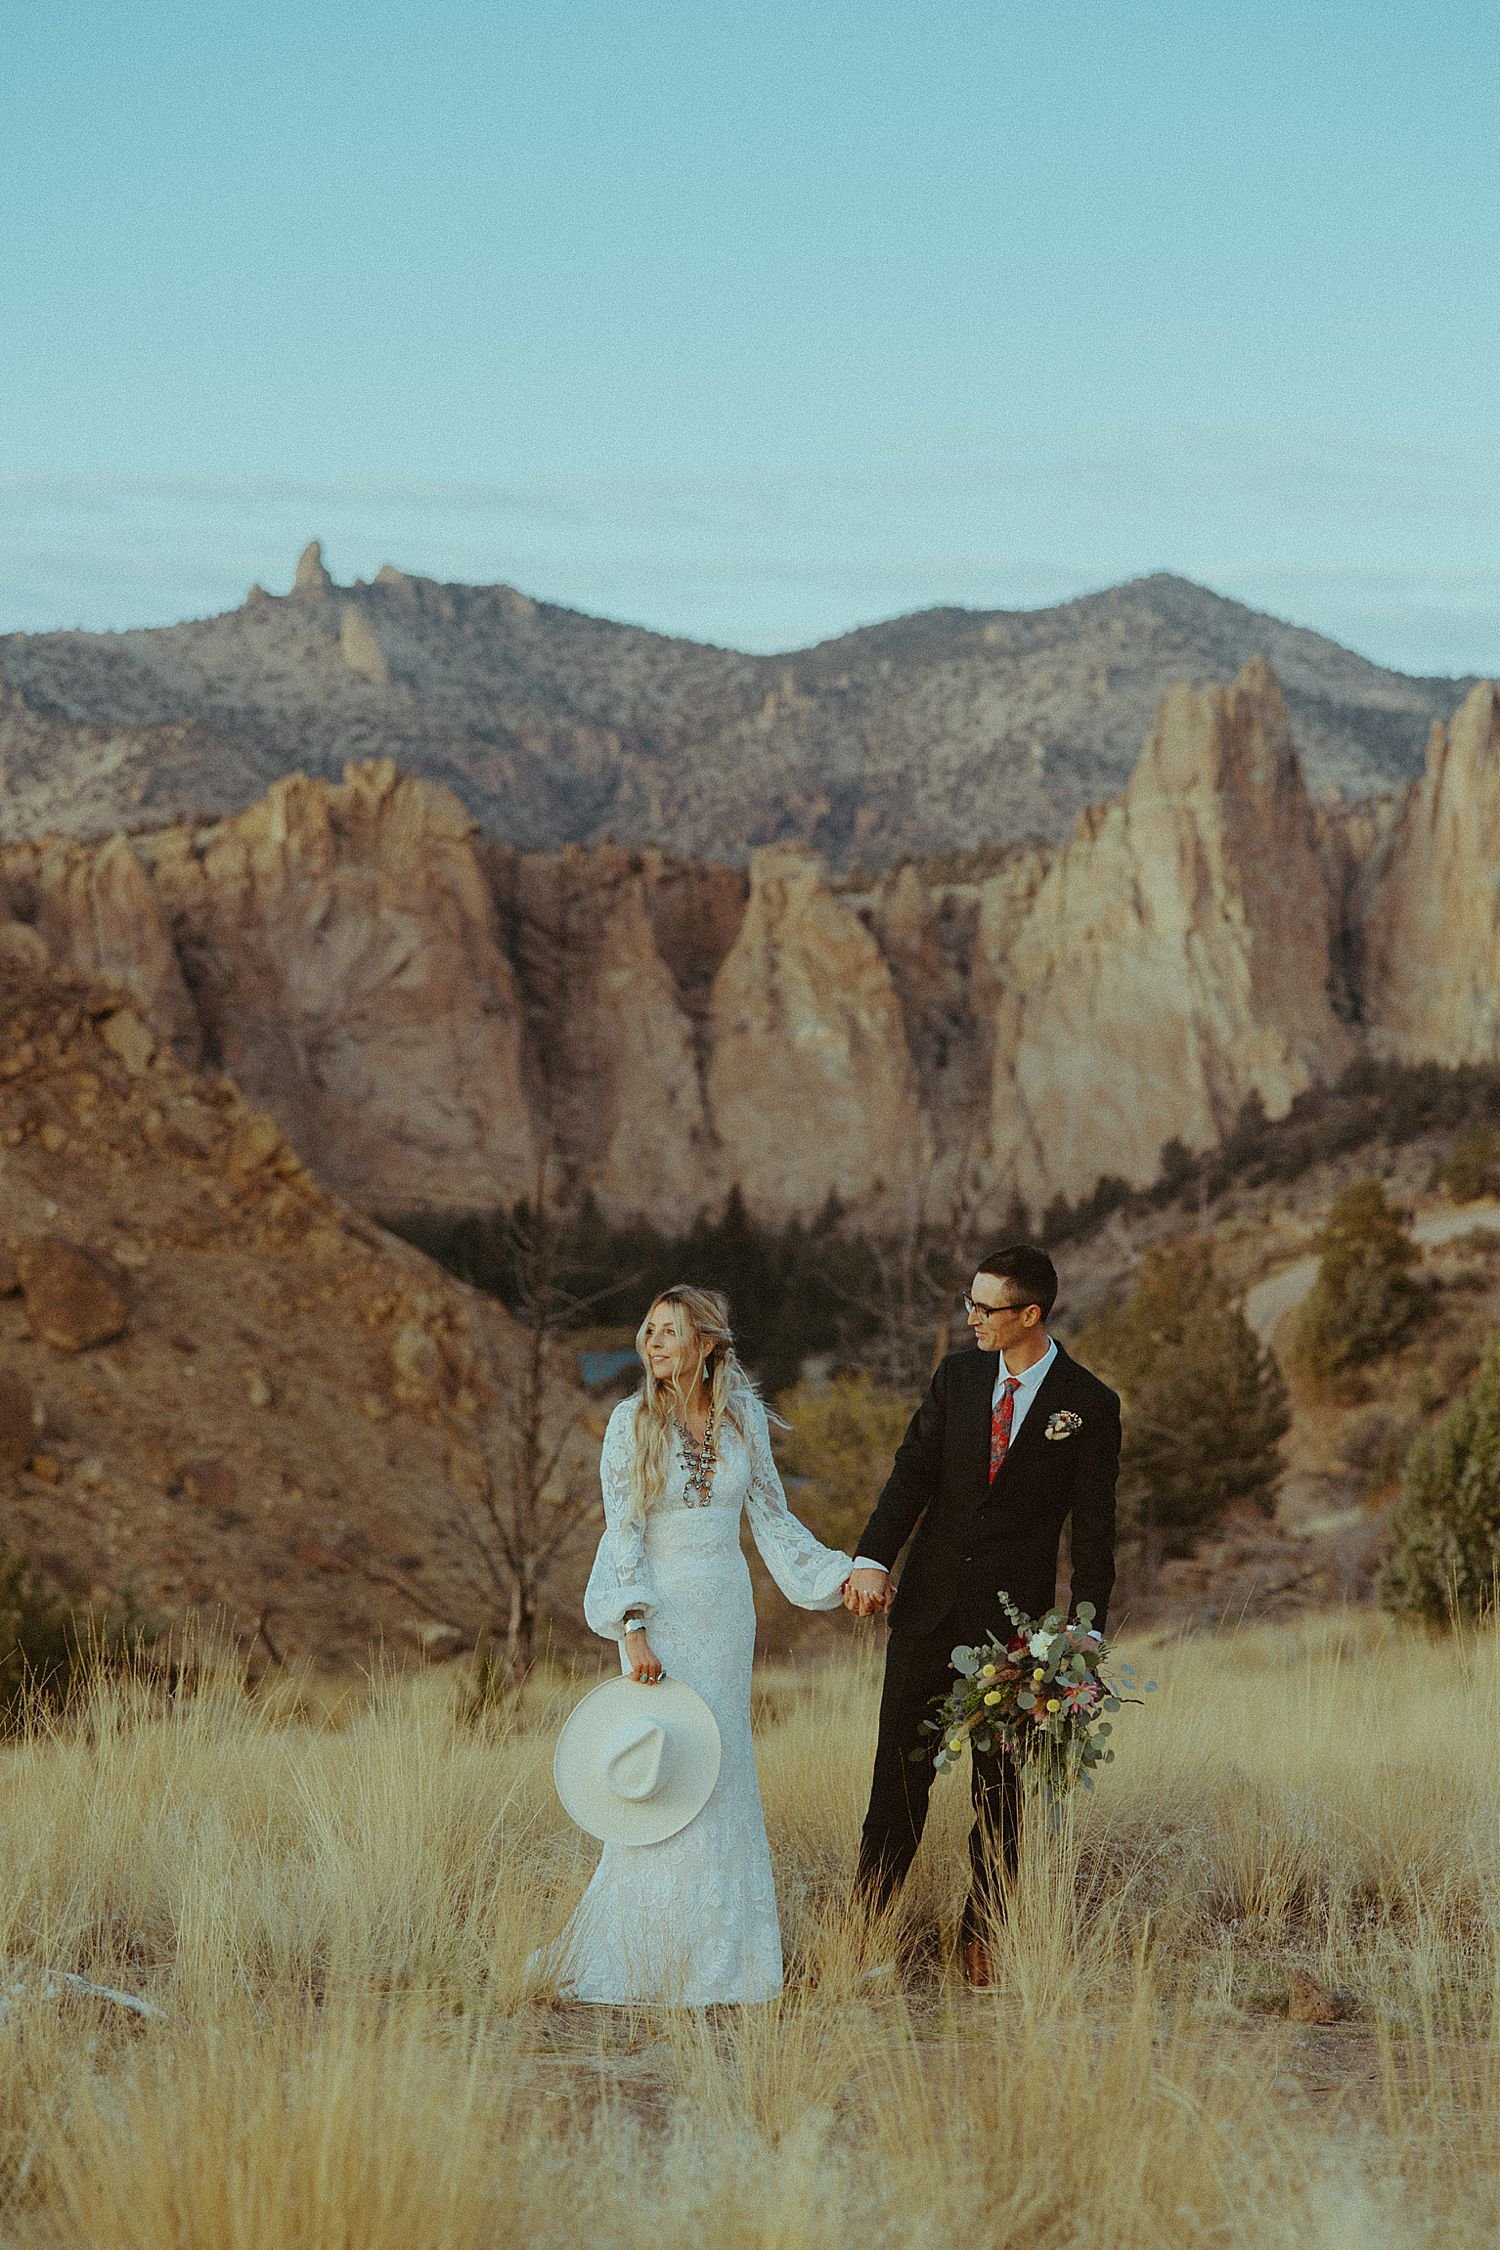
[(697, 1456)]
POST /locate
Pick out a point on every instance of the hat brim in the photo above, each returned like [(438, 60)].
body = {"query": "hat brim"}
[(577, 1761)]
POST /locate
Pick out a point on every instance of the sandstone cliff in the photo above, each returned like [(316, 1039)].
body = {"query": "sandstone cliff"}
[(1178, 956), (613, 1066), (96, 910), (1430, 920), (810, 1079), (692, 1030), (342, 949), (433, 1017), (426, 1017)]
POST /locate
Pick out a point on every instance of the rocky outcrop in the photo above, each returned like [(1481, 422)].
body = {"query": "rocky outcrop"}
[(311, 575), (342, 947), (810, 1080), (359, 646), (95, 910), (691, 1034), (1178, 956), (436, 1021), (614, 1072), (1430, 917)]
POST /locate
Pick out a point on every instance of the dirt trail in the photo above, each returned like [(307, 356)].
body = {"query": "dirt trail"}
[(1272, 1298)]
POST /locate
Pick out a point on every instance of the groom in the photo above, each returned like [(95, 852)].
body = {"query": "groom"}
[(1010, 1441)]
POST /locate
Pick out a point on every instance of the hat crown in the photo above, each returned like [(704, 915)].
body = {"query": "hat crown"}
[(637, 1758), (634, 1764)]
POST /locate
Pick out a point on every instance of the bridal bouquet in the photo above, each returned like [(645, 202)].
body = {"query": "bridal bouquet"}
[(1042, 1694)]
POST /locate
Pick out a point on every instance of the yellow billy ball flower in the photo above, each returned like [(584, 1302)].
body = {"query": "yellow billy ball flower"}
[(1039, 1674), (1054, 1705), (988, 1672), (993, 1696)]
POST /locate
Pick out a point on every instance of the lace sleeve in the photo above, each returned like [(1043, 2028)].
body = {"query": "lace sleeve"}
[(808, 1573), (621, 1577)]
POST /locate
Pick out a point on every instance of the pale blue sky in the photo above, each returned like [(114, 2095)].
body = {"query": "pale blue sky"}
[(756, 324)]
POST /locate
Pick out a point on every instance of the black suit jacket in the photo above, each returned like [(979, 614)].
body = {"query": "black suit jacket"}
[(975, 1540)]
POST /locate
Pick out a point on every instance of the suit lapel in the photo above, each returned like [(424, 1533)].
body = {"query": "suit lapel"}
[(977, 1406)]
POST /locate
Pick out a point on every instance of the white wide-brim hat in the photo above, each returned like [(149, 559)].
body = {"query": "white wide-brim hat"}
[(633, 1764)]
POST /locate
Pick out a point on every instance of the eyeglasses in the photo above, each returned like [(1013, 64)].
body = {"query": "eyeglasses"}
[(977, 1305)]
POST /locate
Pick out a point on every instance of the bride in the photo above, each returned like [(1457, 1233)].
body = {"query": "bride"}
[(691, 1920)]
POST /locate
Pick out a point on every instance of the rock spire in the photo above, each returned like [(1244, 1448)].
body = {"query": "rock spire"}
[(311, 576), (1177, 957), (1430, 924)]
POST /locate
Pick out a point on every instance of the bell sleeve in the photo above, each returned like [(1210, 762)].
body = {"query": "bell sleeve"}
[(621, 1577), (808, 1573)]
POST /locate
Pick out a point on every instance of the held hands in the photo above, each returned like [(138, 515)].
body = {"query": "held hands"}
[(645, 1666), (868, 1593)]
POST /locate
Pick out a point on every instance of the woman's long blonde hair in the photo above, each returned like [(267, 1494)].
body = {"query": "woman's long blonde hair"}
[(701, 1315)]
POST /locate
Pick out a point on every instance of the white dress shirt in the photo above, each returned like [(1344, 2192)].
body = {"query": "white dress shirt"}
[(1030, 1383)]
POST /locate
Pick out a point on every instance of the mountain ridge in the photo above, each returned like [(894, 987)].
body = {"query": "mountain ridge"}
[(912, 736)]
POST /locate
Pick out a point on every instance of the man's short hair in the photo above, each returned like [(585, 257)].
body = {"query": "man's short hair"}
[(1030, 1271)]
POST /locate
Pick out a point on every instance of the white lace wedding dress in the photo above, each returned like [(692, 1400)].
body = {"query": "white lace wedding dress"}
[(692, 1920)]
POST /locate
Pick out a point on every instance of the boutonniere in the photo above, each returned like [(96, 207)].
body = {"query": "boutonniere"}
[(1064, 1423)]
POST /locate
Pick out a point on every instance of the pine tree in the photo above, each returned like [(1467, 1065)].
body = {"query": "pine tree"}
[(1364, 1299), (1204, 1405), (1446, 1527)]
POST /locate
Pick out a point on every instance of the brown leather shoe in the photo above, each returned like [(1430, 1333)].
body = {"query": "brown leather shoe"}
[(979, 1969)]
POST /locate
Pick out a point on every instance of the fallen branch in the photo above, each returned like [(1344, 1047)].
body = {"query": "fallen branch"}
[(60, 1983)]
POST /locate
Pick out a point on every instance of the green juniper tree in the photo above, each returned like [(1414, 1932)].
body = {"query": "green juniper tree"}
[(1446, 1527), (1365, 1298), (1472, 1166), (1205, 1407)]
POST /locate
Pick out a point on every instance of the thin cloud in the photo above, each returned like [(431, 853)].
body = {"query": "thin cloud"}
[(1389, 546)]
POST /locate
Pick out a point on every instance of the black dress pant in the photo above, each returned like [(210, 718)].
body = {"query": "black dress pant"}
[(918, 1668)]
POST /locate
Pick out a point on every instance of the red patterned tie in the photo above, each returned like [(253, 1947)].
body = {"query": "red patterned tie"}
[(1002, 1413)]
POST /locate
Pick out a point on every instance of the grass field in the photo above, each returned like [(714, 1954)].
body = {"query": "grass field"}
[(331, 1902)]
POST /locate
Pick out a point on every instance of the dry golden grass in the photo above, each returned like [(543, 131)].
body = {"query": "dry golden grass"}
[(332, 1902)]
